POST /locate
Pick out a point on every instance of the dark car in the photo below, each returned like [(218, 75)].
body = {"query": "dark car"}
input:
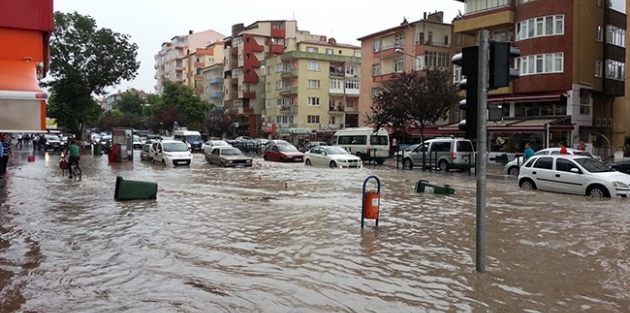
[(312, 145), (621, 166)]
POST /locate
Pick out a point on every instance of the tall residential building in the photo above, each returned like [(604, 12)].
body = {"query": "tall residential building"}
[(213, 79), (572, 69), (245, 49), (196, 60), (418, 45), (313, 87), (169, 61)]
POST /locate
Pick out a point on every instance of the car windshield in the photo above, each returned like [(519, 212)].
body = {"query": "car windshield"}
[(49, 138), (175, 147), (335, 150), (217, 143), (286, 148), (192, 138), (230, 152), (593, 165)]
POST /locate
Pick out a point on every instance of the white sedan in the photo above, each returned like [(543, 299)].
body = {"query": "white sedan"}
[(580, 175), (209, 145), (511, 168), (332, 156)]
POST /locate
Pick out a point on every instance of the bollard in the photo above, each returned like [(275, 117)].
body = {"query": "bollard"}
[(371, 201), (31, 157)]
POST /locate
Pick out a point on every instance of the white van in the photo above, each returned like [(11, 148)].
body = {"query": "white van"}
[(191, 137), (364, 142)]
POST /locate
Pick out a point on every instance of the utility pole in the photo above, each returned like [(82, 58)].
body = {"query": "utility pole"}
[(482, 138)]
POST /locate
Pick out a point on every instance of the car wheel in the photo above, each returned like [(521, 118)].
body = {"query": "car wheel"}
[(527, 185), (265, 158), (380, 161), (163, 162), (282, 160), (333, 164), (513, 171), (308, 162), (221, 164), (443, 165), (358, 154), (152, 161), (408, 164), (597, 192)]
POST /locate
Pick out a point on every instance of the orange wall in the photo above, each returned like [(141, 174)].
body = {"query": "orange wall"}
[(20, 44)]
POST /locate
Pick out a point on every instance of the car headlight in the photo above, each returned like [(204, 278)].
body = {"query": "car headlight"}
[(229, 162), (619, 184), (249, 161)]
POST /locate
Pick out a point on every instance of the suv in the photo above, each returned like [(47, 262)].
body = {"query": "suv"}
[(444, 153)]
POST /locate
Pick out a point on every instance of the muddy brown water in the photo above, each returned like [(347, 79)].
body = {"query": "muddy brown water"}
[(237, 240)]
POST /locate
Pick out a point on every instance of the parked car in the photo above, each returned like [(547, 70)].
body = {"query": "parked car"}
[(364, 142), (241, 138), (409, 149), (53, 143), (137, 143), (229, 157), (191, 137), (170, 152), (443, 153), (621, 166), (573, 174), (511, 168), (209, 145), (312, 145), (145, 152), (282, 153), (331, 156)]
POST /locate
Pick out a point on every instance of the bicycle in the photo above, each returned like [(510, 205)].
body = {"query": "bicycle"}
[(76, 169)]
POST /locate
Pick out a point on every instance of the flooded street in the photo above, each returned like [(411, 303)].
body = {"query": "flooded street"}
[(237, 240)]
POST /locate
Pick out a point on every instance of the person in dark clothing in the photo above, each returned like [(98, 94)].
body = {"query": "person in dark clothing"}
[(6, 150)]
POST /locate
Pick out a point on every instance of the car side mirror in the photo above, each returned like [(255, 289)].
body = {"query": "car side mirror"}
[(575, 170)]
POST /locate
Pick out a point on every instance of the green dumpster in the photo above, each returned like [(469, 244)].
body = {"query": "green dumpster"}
[(424, 186), (134, 190), (98, 149)]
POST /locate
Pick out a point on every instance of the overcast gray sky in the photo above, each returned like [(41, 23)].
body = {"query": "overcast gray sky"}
[(151, 22)]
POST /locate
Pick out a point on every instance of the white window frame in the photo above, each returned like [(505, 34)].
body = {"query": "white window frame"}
[(599, 66), (310, 49), (313, 66), (313, 84), (376, 69), (312, 119), (313, 101), (550, 25), (541, 64), (399, 65)]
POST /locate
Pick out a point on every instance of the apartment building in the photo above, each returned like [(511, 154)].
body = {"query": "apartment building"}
[(245, 49), (213, 80), (315, 86), (169, 61), (429, 42), (572, 68), (198, 59)]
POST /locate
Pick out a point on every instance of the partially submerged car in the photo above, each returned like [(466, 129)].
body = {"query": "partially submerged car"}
[(229, 157)]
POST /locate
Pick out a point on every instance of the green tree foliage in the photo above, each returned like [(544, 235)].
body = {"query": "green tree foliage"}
[(219, 121), (130, 102), (85, 61), (184, 98), (414, 99)]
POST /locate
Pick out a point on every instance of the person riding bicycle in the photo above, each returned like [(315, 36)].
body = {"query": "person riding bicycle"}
[(73, 151)]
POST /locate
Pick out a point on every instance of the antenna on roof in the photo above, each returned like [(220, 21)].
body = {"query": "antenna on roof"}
[(294, 16)]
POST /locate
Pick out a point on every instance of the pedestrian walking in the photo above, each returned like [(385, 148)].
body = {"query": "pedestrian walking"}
[(563, 148), (529, 152)]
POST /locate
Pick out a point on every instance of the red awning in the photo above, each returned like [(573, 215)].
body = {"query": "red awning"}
[(427, 132), (18, 76), (523, 97)]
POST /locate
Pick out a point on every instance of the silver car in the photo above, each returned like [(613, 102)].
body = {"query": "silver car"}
[(229, 157), (443, 153)]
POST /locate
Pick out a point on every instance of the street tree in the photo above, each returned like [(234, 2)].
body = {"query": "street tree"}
[(130, 102), (414, 100), (187, 102), (219, 121), (85, 60)]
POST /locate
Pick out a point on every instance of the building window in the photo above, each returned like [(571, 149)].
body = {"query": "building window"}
[(357, 54), (352, 84), (457, 74), (419, 66), (283, 67), (313, 66), (617, 5), (499, 35), (349, 104), (312, 49), (277, 41), (313, 84), (585, 102), (541, 64), (615, 70), (600, 34), (399, 65), (376, 69), (420, 40), (336, 84), (332, 120), (350, 70), (312, 119), (313, 101), (277, 25), (268, 103), (540, 26), (399, 39), (330, 51), (268, 86), (437, 59), (598, 68), (376, 45), (616, 36)]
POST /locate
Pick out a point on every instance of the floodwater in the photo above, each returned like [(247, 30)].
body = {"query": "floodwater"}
[(240, 240)]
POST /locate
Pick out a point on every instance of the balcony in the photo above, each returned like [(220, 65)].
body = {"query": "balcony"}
[(336, 91), (289, 109), (353, 92), (217, 95), (488, 18), (198, 77), (242, 110), (216, 81), (289, 56), (249, 94), (290, 74), (289, 91), (200, 64), (198, 90), (388, 51)]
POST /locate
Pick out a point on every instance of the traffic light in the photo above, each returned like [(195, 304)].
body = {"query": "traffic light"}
[(501, 73), (469, 61)]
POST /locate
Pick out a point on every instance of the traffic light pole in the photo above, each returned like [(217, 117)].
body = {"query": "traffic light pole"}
[(482, 138)]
